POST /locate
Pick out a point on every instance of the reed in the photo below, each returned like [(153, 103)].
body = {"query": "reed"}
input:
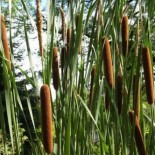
[(5, 41), (148, 75), (125, 35), (93, 72), (63, 24), (55, 67), (46, 118), (119, 84), (136, 96), (137, 133), (39, 26)]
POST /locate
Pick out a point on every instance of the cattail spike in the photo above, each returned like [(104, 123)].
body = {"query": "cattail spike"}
[(125, 35), (93, 72), (69, 35), (39, 26), (46, 118), (63, 24), (148, 75), (63, 58), (119, 83), (5, 40), (56, 80), (137, 133)]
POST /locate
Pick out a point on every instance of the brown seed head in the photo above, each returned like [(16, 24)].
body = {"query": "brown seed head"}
[(119, 83), (46, 118), (69, 34), (125, 35), (5, 40), (108, 68), (39, 26), (63, 58), (138, 134), (93, 72), (148, 75), (56, 80)]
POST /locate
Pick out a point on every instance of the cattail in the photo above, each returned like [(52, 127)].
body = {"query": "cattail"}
[(69, 35), (39, 26), (125, 34), (77, 20), (5, 40), (93, 72), (148, 75), (119, 83), (46, 118), (56, 80), (108, 68), (63, 24), (137, 133), (136, 96)]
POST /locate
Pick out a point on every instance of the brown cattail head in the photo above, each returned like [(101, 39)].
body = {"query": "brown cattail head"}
[(125, 35), (93, 72), (5, 41), (39, 26), (148, 75), (63, 58), (56, 80), (77, 20), (46, 118), (63, 24), (119, 83), (69, 35), (108, 68), (137, 133), (136, 96)]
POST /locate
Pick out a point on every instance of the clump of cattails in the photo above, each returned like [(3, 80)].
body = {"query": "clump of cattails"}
[(119, 86), (137, 133), (136, 96), (69, 35), (125, 35), (108, 68), (148, 75), (39, 26), (5, 40), (55, 67), (63, 24), (46, 118), (93, 72)]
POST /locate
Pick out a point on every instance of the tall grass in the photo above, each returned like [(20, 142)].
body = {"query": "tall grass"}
[(100, 103)]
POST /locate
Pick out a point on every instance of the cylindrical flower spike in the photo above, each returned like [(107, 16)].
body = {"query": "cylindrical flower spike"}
[(63, 24), (69, 35), (136, 96), (148, 75), (137, 133), (55, 66), (46, 118), (93, 72), (39, 26), (119, 83), (108, 68), (63, 58), (5, 40), (125, 35)]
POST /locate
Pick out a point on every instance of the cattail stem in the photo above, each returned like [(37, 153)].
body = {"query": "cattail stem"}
[(108, 68), (125, 35), (119, 83), (148, 75), (39, 26), (55, 66), (137, 133), (46, 118), (5, 41)]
